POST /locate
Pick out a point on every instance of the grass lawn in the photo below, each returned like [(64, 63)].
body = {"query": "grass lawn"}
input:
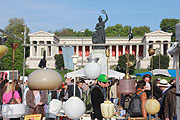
[(154, 77), (62, 72)]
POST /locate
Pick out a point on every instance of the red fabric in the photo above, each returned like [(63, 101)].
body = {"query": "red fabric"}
[(63, 85)]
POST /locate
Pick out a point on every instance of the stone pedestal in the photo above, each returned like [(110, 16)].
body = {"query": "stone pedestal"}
[(100, 53), (145, 63)]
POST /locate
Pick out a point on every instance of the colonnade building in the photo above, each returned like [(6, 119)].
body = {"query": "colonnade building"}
[(118, 46)]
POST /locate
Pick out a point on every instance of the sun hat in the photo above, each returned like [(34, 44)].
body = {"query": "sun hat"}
[(163, 83), (102, 78)]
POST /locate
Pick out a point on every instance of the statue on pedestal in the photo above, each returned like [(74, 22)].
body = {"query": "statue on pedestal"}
[(99, 36)]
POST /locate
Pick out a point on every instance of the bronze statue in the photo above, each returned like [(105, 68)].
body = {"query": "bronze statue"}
[(99, 36)]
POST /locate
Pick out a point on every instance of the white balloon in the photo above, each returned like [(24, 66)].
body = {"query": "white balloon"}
[(74, 107), (92, 70)]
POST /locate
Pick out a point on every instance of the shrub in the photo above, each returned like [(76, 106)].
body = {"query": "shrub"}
[(164, 62), (59, 61), (121, 67)]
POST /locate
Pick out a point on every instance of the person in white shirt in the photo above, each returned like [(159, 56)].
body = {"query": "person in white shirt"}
[(164, 86)]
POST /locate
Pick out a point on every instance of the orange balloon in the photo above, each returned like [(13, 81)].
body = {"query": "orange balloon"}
[(3, 50)]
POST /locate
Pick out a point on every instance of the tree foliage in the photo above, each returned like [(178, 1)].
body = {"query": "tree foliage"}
[(112, 31), (121, 67), (15, 27), (59, 61), (86, 33), (169, 25), (164, 62), (140, 31), (65, 32), (120, 30)]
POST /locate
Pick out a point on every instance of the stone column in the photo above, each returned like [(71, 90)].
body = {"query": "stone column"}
[(162, 49), (117, 51), (137, 51), (124, 48), (38, 50), (167, 49), (146, 51), (130, 49), (84, 51), (77, 50), (46, 48), (168, 45), (52, 48), (32, 51), (90, 49), (110, 56)]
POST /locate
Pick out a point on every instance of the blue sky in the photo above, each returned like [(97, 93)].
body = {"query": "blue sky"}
[(51, 15)]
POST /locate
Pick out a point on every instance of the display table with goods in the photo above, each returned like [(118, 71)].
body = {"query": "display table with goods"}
[(114, 118), (119, 114)]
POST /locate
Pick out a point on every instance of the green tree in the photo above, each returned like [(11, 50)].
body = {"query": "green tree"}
[(87, 33), (59, 61), (123, 31), (65, 32), (15, 27), (169, 25), (164, 62), (117, 30), (140, 31), (121, 66), (71, 33), (112, 31)]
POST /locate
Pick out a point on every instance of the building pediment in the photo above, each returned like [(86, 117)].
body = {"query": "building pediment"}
[(41, 34), (158, 33)]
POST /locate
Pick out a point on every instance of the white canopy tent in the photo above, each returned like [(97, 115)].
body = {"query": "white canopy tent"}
[(161, 72), (80, 73)]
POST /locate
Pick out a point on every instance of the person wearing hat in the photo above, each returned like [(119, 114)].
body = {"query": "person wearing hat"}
[(163, 85), (97, 96)]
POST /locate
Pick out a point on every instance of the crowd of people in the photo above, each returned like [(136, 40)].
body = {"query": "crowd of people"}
[(37, 101), (163, 91)]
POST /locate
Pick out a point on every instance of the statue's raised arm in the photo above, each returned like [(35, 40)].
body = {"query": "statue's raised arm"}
[(104, 12)]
